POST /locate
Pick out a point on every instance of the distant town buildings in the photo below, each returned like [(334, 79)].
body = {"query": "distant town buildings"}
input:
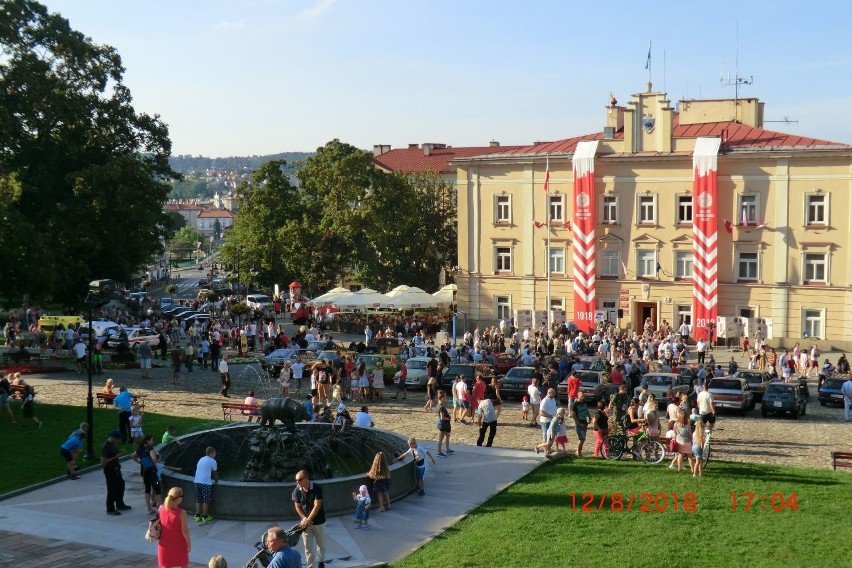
[(202, 214)]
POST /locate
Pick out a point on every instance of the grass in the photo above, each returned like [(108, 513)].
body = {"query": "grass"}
[(31, 455), (532, 523)]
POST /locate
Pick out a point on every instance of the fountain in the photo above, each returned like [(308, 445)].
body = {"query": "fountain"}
[(257, 466)]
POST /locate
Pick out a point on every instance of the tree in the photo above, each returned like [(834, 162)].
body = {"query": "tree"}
[(91, 173), (174, 222)]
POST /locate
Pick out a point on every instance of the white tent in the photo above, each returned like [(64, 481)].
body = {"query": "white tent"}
[(397, 291), (329, 296), (413, 298), (364, 298), (446, 295)]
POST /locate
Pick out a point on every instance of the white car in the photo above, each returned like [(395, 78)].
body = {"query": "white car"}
[(418, 375), (258, 301), (136, 336)]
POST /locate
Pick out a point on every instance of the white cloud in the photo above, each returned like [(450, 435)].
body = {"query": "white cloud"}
[(228, 24), (318, 9)]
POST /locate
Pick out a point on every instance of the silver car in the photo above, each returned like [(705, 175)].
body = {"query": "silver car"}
[(731, 392)]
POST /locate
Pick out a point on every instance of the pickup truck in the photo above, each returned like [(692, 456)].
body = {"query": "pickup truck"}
[(659, 384)]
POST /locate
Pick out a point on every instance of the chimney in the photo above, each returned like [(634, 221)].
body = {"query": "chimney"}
[(614, 118), (413, 146), (379, 149), (427, 148), (494, 143)]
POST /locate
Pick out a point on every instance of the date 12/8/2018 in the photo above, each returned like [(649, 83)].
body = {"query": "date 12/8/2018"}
[(777, 502)]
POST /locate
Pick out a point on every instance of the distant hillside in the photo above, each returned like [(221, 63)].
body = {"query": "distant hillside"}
[(187, 163)]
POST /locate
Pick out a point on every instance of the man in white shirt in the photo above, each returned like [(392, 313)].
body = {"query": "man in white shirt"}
[(846, 389), (298, 369), (535, 400), (706, 408), (546, 412), (462, 397), (684, 331), (363, 419), (80, 353)]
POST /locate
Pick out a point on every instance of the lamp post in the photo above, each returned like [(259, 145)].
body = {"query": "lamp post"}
[(90, 413)]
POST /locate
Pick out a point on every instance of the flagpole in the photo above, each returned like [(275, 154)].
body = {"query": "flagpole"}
[(547, 259)]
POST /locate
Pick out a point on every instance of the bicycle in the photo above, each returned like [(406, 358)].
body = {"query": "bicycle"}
[(644, 448)]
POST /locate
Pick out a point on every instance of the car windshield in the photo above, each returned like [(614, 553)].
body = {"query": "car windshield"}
[(416, 364), (751, 378), (518, 373), (833, 384), (280, 354), (659, 381), (783, 391), (725, 384), (592, 378)]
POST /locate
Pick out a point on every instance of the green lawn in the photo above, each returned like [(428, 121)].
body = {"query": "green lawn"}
[(30, 455), (532, 523)]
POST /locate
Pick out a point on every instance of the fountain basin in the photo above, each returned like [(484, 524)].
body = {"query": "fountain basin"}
[(272, 501)]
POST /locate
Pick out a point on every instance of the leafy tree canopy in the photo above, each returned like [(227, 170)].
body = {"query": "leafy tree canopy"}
[(89, 173)]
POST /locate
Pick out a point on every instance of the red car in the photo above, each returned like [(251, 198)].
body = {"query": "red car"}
[(503, 362)]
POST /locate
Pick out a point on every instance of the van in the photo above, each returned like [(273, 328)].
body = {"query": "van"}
[(258, 301), (49, 323)]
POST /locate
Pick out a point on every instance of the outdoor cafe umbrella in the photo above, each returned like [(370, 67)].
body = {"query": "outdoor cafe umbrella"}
[(329, 296), (414, 298), (445, 295), (364, 298)]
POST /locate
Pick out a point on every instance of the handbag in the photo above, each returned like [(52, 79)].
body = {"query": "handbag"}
[(155, 527), (673, 445)]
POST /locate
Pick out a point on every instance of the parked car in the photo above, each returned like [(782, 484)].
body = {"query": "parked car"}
[(389, 345), (468, 370), (783, 398), (592, 383), (757, 380), (321, 344), (516, 381), (258, 301), (418, 375), (829, 392), (731, 392), (503, 362), (136, 336), (390, 364), (274, 362), (659, 384), (166, 303)]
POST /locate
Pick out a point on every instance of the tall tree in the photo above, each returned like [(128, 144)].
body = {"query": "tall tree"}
[(92, 173)]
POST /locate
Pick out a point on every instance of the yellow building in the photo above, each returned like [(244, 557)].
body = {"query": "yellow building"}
[(783, 208)]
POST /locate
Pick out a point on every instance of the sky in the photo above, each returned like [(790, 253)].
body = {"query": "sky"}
[(254, 77)]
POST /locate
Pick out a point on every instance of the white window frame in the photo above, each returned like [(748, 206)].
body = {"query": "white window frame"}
[(607, 271), (556, 207), (739, 262), (643, 201), (682, 201), (556, 254), (641, 258), (683, 311), (498, 255), (810, 201), (609, 209), (503, 202), (812, 317), (683, 263), (750, 202), (501, 303), (812, 260), (557, 304)]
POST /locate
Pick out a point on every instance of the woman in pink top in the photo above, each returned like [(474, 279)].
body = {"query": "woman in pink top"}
[(174, 544)]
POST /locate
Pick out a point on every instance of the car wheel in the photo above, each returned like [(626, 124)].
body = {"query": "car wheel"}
[(763, 412)]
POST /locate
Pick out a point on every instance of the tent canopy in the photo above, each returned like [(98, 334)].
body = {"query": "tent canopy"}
[(413, 298), (445, 295), (364, 298), (329, 296)]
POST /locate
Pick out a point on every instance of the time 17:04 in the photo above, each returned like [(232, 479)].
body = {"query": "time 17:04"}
[(752, 501)]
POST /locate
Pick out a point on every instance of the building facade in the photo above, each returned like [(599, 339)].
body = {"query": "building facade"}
[(775, 259)]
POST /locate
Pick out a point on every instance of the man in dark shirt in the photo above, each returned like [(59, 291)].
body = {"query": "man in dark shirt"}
[(110, 454), (307, 498)]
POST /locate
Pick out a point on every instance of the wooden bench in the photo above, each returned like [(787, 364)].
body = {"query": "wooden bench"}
[(231, 408), (106, 400), (841, 459), (16, 391)]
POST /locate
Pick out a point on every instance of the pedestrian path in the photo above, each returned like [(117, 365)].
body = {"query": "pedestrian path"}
[(66, 521)]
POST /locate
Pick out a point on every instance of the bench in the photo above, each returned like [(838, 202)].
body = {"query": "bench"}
[(841, 459), (16, 391), (231, 408), (106, 400)]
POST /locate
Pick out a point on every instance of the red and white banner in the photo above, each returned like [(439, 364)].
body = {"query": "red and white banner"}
[(584, 235), (705, 232)]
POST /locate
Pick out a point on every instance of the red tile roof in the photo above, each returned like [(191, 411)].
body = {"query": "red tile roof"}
[(414, 160), (212, 213)]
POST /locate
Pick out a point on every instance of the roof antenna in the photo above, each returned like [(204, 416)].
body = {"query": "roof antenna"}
[(737, 80)]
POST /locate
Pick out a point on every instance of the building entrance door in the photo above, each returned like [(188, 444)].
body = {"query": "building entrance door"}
[(644, 310)]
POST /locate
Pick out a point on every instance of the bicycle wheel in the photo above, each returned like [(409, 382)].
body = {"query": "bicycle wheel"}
[(652, 452), (706, 452), (613, 447)]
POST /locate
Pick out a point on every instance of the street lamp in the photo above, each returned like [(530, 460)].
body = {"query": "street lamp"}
[(100, 292)]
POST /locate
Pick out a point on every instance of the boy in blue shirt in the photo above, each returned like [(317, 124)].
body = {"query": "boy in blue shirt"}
[(69, 451)]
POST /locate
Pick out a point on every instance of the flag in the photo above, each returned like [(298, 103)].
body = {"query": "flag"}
[(547, 176), (745, 218), (648, 60), (568, 225), (624, 268), (538, 224), (729, 226)]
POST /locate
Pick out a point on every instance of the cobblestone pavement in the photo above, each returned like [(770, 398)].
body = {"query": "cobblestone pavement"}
[(807, 441)]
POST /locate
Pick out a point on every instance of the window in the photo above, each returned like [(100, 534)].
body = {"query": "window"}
[(647, 210), (646, 263), (503, 260), (683, 313), (683, 264), (684, 209), (557, 210), (503, 209), (816, 267), (557, 261), (813, 323), (557, 304), (504, 308), (747, 266), (610, 263), (816, 209), (748, 209), (609, 209)]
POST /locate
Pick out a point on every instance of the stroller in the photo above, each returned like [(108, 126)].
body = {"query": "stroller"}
[(263, 556)]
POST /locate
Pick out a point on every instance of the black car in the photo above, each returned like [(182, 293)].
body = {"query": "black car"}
[(829, 392), (516, 382), (468, 371), (781, 398)]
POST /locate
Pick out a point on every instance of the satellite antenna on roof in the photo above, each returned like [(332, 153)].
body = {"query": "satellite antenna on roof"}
[(737, 80)]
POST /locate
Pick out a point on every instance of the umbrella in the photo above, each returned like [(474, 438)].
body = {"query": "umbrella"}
[(364, 298), (397, 291), (329, 296), (415, 298), (445, 295)]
